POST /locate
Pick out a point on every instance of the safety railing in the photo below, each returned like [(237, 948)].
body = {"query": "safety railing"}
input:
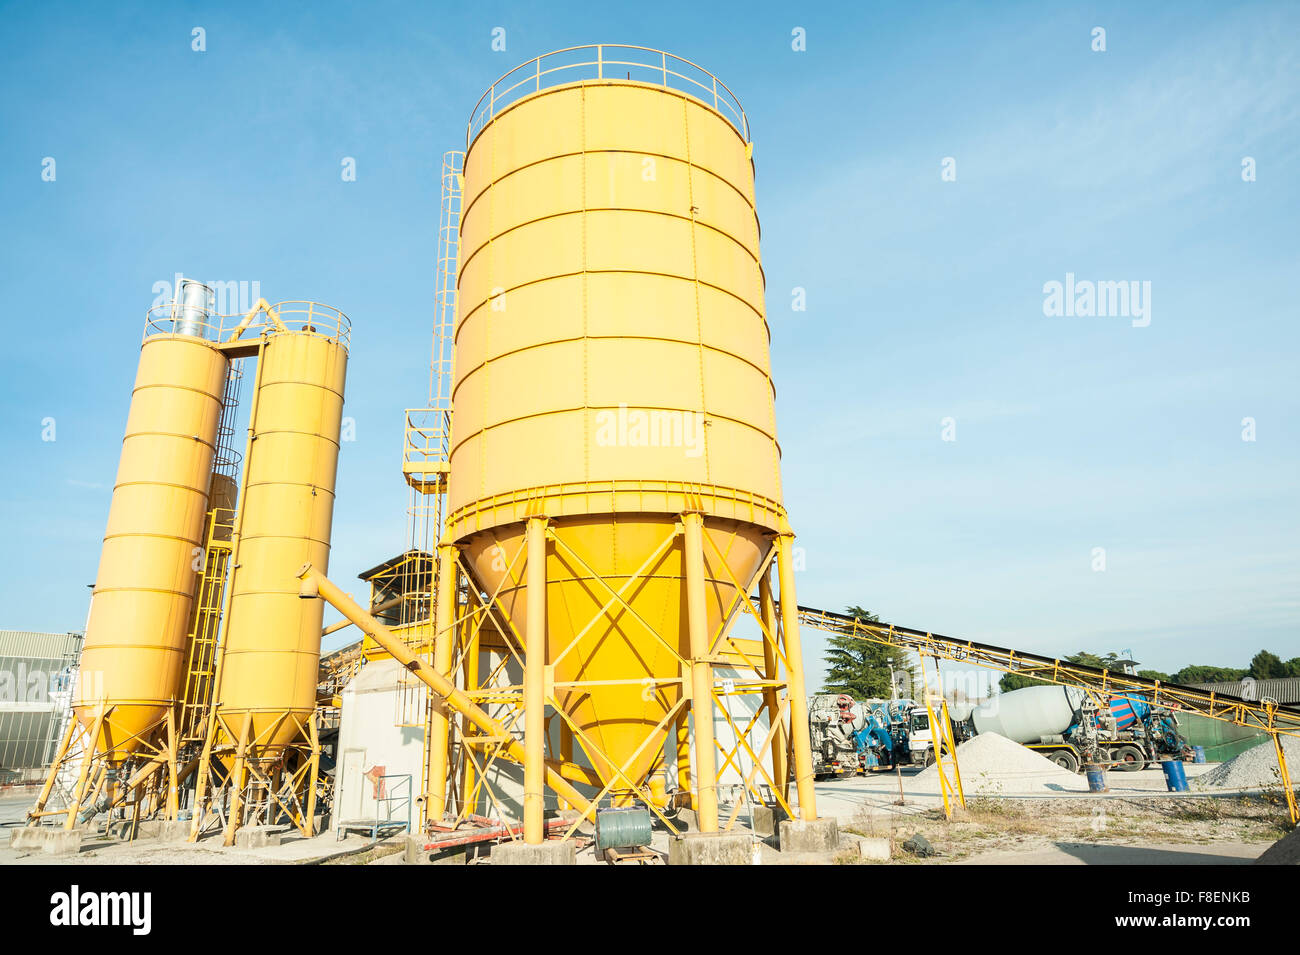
[(605, 61), (426, 448), (313, 318)]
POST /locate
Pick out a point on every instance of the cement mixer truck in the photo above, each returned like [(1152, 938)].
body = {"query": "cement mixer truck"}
[(849, 736), (1072, 728)]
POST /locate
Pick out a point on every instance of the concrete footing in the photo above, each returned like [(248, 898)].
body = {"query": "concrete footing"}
[(416, 854), (553, 852), (873, 850), (54, 842), (257, 837), (711, 848), (767, 818), (819, 835), (164, 830)]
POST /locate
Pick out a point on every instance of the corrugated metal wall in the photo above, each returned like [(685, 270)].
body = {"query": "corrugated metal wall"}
[(1285, 690), (34, 698)]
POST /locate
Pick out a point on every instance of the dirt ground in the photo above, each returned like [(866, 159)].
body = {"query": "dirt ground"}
[(1138, 829)]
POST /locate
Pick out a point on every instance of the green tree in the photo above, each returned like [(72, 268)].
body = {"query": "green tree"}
[(1267, 666), (861, 668), (1156, 675), (1208, 674), (1017, 681)]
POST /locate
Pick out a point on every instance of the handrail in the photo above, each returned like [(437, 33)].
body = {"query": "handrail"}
[(313, 318), (655, 67)]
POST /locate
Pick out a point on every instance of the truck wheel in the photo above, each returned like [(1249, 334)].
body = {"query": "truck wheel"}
[(1128, 759), (929, 757), (1065, 759)]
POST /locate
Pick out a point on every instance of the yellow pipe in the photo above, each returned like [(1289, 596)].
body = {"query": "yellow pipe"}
[(534, 684), (697, 619), (799, 741), (315, 585), (442, 637)]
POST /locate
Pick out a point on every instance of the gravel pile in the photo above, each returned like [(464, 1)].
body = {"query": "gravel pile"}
[(1286, 851), (991, 765), (1255, 768)]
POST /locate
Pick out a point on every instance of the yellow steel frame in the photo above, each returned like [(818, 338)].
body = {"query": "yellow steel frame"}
[(782, 695), (157, 749), (283, 777)]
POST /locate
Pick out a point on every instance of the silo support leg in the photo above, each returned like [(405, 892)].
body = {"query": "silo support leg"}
[(535, 685), (235, 819), (799, 742), (88, 757), (312, 776), (34, 817), (706, 772), (775, 713), (444, 611), (173, 788), (468, 801)]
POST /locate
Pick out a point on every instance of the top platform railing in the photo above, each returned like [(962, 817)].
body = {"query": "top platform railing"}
[(311, 318), (605, 61)]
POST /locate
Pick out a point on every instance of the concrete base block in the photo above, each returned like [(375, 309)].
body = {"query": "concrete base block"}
[(874, 850), (164, 830), (257, 837), (553, 852), (54, 842), (711, 848), (767, 818), (820, 835), (416, 854)]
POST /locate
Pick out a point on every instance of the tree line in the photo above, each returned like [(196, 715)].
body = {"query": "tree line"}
[(864, 669), (1264, 665)]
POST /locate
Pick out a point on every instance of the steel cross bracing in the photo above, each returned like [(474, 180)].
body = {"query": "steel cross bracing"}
[(1265, 715)]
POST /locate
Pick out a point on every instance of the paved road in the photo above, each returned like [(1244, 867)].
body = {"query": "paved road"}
[(14, 809), (1080, 853)]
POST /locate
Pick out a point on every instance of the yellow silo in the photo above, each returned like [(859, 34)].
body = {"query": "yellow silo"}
[(612, 378), (132, 661), (271, 648)]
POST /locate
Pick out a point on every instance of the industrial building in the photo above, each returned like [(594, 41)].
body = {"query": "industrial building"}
[(36, 673)]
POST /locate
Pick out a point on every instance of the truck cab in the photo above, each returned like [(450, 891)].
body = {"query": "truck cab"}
[(920, 737)]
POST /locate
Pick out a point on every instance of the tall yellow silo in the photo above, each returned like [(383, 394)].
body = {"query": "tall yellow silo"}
[(271, 649), (614, 467), (135, 649)]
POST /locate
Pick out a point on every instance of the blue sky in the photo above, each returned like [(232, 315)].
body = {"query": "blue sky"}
[(925, 296)]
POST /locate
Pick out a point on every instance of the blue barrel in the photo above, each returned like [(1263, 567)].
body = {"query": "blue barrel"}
[(1096, 778), (1198, 754), (1175, 778)]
